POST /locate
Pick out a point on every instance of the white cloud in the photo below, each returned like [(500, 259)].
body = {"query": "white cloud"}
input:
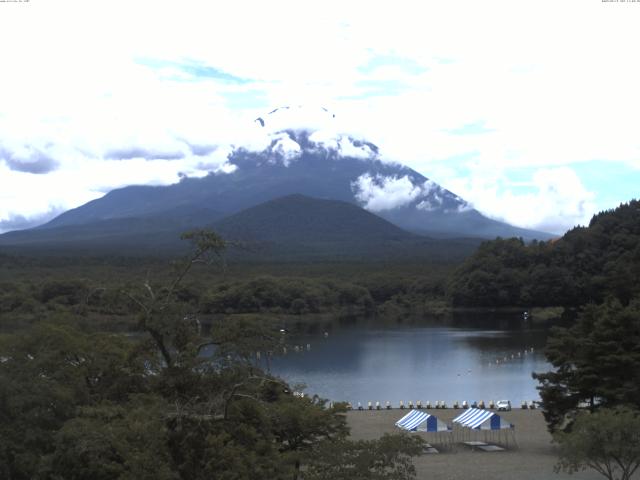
[(288, 148), (547, 101), (555, 200), (384, 193), (349, 149)]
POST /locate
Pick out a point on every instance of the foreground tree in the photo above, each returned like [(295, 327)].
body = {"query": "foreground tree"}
[(607, 441), (76, 405), (597, 363), (388, 458)]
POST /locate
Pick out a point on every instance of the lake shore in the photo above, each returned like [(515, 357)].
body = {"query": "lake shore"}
[(533, 459)]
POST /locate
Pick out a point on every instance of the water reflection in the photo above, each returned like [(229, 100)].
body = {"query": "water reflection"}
[(373, 362)]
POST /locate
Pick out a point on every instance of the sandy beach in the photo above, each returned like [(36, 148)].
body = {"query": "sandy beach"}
[(534, 457)]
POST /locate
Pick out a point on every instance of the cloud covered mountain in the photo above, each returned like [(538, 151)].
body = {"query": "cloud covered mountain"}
[(310, 160)]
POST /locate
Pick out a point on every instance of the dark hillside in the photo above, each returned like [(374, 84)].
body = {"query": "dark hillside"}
[(586, 265)]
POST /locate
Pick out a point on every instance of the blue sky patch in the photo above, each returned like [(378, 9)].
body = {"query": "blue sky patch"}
[(246, 99), (194, 71), (475, 128), (611, 181), (406, 64)]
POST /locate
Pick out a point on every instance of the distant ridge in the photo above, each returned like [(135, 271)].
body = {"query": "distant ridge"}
[(300, 219), (293, 227)]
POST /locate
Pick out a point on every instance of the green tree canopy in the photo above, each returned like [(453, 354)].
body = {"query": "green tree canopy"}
[(607, 441), (596, 361)]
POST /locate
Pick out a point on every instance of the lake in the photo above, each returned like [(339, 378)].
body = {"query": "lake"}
[(470, 359)]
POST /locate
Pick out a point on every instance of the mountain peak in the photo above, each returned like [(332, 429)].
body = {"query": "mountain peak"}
[(298, 117)]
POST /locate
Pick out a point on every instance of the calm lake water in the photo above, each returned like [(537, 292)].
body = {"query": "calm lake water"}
[(470, 359)]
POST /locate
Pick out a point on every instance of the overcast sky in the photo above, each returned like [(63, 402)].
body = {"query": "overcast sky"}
[(526, 109)]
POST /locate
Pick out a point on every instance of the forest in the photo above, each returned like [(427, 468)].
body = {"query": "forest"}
[(78, 403), (586, 265), (102, 371)]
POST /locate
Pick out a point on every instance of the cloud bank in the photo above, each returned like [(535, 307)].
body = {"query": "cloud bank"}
[(430, 86), (554, 198), (379, 192)]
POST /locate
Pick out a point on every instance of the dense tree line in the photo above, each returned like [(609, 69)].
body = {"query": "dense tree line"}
[(278, 295), (596, 363), (587, 264), (79, 404), (95, 296)]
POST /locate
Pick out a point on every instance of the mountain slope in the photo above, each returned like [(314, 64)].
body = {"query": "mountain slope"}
[(297, 219), (290, 228), (348, 170)]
